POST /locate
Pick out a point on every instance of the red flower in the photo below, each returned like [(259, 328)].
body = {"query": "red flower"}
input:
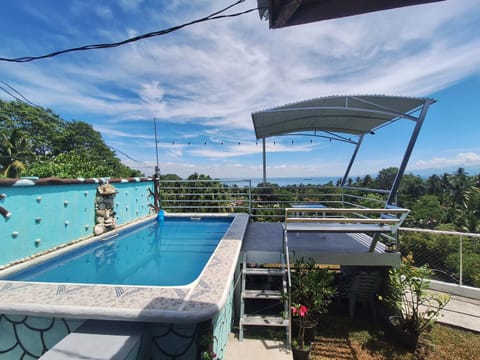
[(299, 310)]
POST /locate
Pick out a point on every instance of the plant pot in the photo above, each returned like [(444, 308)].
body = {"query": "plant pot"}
[(404, 338), (310, 331), (301, 354)]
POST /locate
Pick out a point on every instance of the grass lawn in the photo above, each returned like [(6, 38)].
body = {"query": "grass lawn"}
[(338, 337)]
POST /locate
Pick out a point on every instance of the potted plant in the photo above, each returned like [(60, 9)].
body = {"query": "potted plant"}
[(313, 287), (300, 348), (415, 308)]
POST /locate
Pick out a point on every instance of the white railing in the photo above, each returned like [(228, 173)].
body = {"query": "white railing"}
[(448, 253), (263, 203), (450, 245)]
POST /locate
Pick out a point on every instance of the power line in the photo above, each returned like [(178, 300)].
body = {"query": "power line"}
[(139, 162), (215, 16), (23, 98)]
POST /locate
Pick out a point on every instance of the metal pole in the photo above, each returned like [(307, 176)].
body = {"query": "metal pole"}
[(157, 168), (250, 197), (264, 162), (408, 152), (461, 260), (156, 180), (354, 155)]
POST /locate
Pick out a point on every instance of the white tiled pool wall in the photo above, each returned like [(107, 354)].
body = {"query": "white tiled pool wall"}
[(23, 336)]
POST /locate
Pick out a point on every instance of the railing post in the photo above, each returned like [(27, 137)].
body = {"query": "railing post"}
[(250, 197), (461, 260)]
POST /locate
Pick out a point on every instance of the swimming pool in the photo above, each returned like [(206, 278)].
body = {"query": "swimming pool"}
[(192, 303), (171, 252), (170, 315)]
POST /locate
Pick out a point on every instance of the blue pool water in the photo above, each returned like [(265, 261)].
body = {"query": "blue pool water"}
[(172, 252)]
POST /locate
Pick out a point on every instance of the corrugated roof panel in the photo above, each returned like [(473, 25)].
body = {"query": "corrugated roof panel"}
[(353, 115)]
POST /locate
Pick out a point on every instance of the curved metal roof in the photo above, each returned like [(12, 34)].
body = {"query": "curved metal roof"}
[(281, 13), (355, 115)]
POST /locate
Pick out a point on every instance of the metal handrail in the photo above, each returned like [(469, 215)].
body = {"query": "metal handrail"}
[(461, 235)]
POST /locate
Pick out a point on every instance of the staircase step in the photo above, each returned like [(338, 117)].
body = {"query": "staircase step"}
[(263, 320), (264, 271), (263, 294)]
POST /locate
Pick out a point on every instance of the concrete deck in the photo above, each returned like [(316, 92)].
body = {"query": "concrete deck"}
[(325, 248), (256, 349), (462, 312)]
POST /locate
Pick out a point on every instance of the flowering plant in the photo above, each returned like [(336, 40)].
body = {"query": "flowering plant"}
[(208, 355), (300, 311)]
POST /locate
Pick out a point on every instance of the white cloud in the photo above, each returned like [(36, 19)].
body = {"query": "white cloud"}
[(461, 159), (129, 5), (218, 73)]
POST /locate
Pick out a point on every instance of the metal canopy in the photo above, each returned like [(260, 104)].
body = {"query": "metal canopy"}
[(282, 13), (354, 115), (336, 115)]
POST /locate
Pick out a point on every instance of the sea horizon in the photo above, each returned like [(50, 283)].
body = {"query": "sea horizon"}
[(284, 181)]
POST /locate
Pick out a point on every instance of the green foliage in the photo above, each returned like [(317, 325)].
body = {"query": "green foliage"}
[(416, 308), (427, 212), (15, 151), (311, 286), (42, 144), (385, 178), (72, 164)]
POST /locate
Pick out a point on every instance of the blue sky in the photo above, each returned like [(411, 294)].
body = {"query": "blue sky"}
[(203, 82)]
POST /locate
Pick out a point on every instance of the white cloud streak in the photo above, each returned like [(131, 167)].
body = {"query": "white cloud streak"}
[(217, 73)]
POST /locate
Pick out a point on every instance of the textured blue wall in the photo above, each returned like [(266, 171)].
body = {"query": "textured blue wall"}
[(29, 337), (222, 326), (45, 216)]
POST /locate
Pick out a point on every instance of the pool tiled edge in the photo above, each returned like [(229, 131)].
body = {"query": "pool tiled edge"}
[(194, 303)]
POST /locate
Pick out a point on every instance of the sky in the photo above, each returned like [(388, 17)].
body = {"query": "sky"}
[(202, 83)]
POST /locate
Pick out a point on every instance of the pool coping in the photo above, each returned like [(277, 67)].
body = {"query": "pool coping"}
[(198, 301)]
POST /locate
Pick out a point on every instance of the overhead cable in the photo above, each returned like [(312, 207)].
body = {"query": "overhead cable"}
[(22, 97), (216, 15)]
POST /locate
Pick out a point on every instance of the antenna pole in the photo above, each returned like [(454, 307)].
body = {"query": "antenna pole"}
[(156, 180)]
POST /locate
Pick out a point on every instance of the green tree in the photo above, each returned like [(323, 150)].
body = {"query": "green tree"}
[(15, 150), (44, 145), (427, 212), (411, 189), (385, 178)]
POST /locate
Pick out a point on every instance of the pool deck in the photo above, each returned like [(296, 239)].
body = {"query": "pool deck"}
[(325, 248), (196, 302)]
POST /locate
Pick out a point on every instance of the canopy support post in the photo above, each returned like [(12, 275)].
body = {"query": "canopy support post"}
[(354, 155), (408, 152), (264, 162)]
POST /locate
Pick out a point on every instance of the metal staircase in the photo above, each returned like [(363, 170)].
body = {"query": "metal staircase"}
[(271, 289)]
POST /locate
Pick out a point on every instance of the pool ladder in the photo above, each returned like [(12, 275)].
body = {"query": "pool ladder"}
[(273, 290)]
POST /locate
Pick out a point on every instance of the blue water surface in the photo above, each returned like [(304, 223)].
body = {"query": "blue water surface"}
[(166, 253)]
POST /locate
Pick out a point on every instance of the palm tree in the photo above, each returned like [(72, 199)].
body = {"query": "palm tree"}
[(16, 151)]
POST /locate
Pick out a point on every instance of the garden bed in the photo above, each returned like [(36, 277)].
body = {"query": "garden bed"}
[(361, 340)]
